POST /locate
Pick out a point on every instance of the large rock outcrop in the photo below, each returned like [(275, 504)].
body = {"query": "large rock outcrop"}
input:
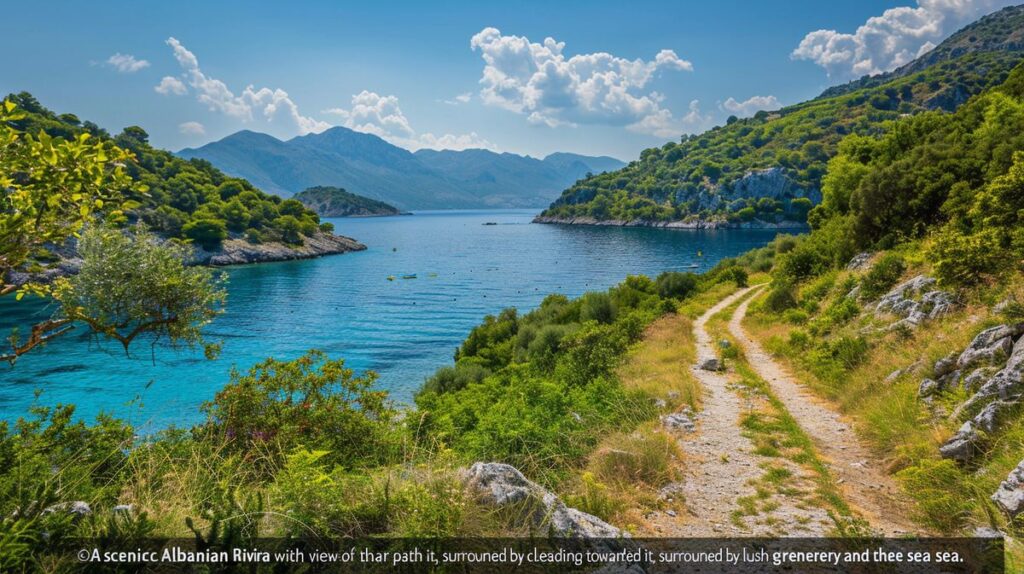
[(916, 301), (992, 367), (1010, 494), (502, 485), (240, 251), (771, 182)]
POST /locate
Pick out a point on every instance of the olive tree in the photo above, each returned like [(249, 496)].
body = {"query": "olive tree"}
[(131, 283), (49, 188), (54, 189)]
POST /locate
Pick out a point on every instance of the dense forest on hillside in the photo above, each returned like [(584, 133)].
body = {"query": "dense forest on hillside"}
[(953, 177), (702, 176), (188, 199)]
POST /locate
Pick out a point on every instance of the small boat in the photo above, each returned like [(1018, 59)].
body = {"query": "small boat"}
[(409, 276), (491, 223), (692, 266), (391, 277)]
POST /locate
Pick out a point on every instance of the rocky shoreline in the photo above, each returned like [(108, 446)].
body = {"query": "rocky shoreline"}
[(687, 224), (234, 251), (242, 252)]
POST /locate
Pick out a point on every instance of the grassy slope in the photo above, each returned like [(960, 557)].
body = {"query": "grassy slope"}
[(903, 430)]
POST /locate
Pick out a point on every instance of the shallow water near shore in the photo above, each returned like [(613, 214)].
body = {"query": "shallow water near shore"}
[(345, 305)]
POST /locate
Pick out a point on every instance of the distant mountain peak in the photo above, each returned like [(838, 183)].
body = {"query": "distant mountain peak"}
[(369, 166)]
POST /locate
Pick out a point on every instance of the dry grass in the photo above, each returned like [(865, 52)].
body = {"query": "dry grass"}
[(622, 477), (659, 364)]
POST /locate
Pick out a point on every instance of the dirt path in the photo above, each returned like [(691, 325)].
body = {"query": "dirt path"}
[(866, 488), (720, 467)]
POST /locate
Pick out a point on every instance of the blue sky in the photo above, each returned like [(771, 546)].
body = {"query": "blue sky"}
[(615, 78)]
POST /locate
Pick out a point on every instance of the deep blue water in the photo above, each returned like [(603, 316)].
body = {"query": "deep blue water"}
[(345, 306)]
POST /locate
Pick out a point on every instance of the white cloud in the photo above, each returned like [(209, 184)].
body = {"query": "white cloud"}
[(126, 63), (273, 105), (381, 115), (886, 42), (192, 128), (171, 85), (453, 141), (538, 81), (663, 124), (375, 114), (460, 99), (751, 105)]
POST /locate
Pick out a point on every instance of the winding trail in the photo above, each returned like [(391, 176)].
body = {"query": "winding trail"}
[(720, 467), (866, 487)]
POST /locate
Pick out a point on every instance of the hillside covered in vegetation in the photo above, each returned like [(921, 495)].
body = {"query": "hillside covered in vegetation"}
[(904, 306), (327, 201), (185, 199), (768, 166)]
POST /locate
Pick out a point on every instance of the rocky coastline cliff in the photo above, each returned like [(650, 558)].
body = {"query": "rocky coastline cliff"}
[(242, 252), (684, 224)]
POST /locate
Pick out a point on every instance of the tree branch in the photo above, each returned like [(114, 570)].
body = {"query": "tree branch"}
[(41, 333)]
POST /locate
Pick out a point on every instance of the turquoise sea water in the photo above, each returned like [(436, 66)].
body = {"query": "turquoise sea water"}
[(344, 305)]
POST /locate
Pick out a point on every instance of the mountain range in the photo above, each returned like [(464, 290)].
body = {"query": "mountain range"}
[(367, 165)]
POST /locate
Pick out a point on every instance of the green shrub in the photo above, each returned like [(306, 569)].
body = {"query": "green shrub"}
[(961, 259), (849, 351), (784, 244), (593, 497), (590, 353), (544, 344), (818, 288), (799, 339), (290, 229), (795, 316), (208, 233), (780, 298), (838, 313), (597, 307), (280, 405), (882, 276), (450, 379), (675, 284), (236, 216), (253, 236), (53, 455), (737, 275)]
